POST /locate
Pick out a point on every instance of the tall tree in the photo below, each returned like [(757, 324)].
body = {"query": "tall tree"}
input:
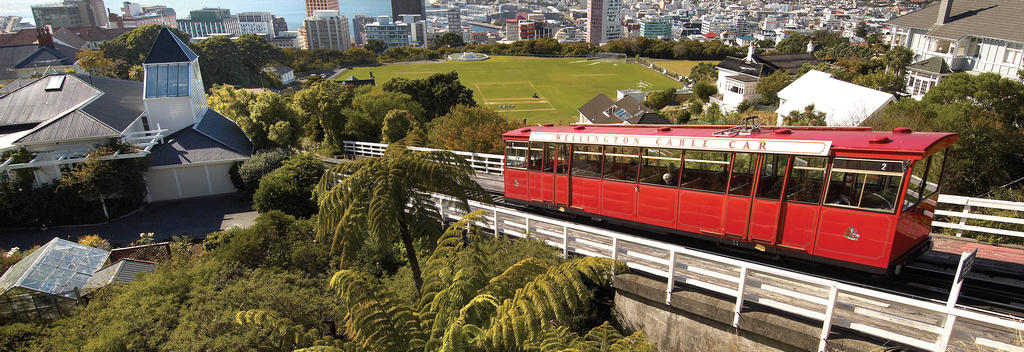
[(474, 129), (448, 39), (704, 71), (99, 180), (371, 199), (95, 63), (770, 86), (660, 99), (807, 117), (321, 106), (397, 123), (437, 93), (231, 102), (272, 122), (376, 46), (366, 116), (218, 56), (704, 90)]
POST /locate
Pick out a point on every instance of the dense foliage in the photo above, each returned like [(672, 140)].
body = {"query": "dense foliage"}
[(658, 100), (437, 94), (246, 175), (475, 129), (538, 47), (670, 49), (289, 188)]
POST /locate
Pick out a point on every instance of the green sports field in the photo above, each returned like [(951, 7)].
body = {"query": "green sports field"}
[(561, 85)]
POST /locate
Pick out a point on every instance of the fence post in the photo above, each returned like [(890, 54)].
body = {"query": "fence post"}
[(615, 252), (495, 221), (739, 297), (671, 276), (565, 241), (963, 219), (527, 232), (826, 326)]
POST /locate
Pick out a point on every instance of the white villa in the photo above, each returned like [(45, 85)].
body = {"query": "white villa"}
[(60, 118), (738, 78), (973, 36)]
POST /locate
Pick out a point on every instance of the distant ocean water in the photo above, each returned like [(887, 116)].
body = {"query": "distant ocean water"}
[(293, 11)]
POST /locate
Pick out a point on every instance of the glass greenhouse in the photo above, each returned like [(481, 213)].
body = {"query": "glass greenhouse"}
[(48, 278)]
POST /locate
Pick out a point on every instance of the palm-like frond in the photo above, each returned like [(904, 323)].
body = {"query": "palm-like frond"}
[(375, 318), (284, 335), (549, 297)]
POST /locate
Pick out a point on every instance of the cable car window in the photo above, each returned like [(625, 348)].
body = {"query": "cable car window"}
[(742, 180), (705, 170), (586, 161), (918, 173), (773, 173), (515, 155), (621, 163), (865, 184), (549, 157), (536, 157), (660, 167), (806, 179), (562, 166), (934, 179)]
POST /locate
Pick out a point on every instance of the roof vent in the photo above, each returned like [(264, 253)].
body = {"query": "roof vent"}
[(664, 129), (525, 130), (783, 131), (578, 127), (880, 140), (901, 130)]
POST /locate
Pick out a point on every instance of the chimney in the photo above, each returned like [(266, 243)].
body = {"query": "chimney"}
[(810, 47), (944, 7), (750, 54), (43, 36)]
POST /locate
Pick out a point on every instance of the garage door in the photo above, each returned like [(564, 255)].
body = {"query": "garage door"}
[(189, 181)]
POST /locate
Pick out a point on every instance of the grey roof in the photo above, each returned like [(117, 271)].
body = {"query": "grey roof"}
[(45, 56), (57, 268), (594, 110), (124, 271), (168, 48), (743, 78), (121, 102), (33, 104), (764, 65), (932, 65), (74, 125), (225, 131), (188, 146), (996, 19), (15, 85)]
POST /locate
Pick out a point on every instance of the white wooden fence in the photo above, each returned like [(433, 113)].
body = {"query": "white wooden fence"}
[(493, 163), (907, 321)]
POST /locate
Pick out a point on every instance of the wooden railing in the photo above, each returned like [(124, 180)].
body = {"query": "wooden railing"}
[(908, 321)]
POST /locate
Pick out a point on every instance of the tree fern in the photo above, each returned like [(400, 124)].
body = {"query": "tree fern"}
[(375, 318), (389, 198), (285, 335), (551, 296)]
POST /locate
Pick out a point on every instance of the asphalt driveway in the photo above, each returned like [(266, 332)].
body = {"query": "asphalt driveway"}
[(196, 217)]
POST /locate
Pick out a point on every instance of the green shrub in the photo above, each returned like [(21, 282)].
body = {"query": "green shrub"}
[(290, 187), (246, 175)]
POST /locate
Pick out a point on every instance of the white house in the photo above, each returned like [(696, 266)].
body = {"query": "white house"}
[(844, 103), (973, 36), (60, 118), (737, 78)]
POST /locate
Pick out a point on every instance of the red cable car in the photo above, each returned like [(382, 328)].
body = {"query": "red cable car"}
[(851, 197)]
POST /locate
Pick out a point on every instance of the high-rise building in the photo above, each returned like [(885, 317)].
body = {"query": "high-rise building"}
[(359, 23), (71, 13), (390, 32), (417, 29), (656, 28), (327, 29), (407, 7), (454, 20), (203, 23), (280, 25), (315, 5), (604, 20), (261, 23)]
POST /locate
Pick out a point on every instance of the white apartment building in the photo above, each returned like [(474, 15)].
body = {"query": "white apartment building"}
[(604, 20), (454, 20), (326, 29), (261, 23), (391, 33), (949, 36)]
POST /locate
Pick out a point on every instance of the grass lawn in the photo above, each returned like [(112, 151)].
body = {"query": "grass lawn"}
[(561, 85), (682, 67)]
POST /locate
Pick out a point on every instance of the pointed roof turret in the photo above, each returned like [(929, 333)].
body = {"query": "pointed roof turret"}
[(168, 48)]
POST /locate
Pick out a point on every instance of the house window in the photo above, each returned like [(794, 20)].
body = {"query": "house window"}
[(1012, 55)]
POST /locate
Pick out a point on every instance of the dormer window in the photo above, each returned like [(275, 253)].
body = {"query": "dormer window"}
[(167, 80)]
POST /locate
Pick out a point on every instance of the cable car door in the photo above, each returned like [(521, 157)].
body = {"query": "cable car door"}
[(561, 174), (738, 199), (766, 205)]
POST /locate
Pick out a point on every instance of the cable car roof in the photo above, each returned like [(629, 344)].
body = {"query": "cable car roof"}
[(787, 140)]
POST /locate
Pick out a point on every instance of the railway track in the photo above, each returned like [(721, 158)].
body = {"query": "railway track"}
[(987, 290)]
